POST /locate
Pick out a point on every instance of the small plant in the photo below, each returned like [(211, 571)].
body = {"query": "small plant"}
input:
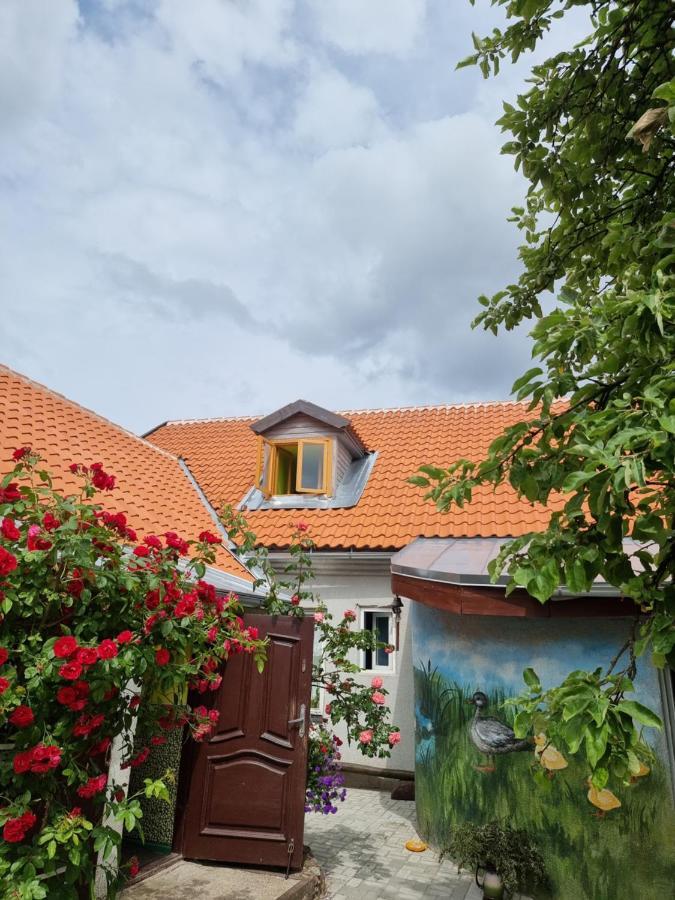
[(496, 847)]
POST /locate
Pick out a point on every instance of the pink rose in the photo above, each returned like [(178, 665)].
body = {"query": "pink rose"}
[(318, 617), (366, 736), (376, 683), (394, 738), (350, 615), (377, 698)]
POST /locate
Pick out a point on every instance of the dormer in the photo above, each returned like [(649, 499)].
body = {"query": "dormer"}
[(307, 458)]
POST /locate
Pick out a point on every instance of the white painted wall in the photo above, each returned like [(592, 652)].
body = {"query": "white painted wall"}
[(362, 581)]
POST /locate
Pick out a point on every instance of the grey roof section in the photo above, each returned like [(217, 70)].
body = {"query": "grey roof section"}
[(348, 492), (464, 562), (305, 408)]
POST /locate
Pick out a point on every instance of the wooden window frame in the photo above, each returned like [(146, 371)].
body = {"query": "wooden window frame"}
[(266, 475)]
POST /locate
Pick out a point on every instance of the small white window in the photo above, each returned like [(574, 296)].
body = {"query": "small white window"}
[(319, 694), (381, 623)]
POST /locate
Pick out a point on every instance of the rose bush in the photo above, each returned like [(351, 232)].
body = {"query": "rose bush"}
[(362, 708), (96, 624)]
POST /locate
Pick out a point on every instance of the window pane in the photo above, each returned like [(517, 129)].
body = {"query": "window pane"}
[(312, 466), (382, 633)]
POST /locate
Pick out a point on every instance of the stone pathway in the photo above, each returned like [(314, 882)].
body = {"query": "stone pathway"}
[(361, 850)]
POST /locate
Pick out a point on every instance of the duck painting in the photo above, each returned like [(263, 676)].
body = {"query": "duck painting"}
[(490, 736)]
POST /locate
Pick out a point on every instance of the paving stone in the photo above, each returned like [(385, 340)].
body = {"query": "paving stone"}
[(362, 852)]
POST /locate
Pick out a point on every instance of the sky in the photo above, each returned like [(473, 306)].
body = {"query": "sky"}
[(216, 207), (484, 653)]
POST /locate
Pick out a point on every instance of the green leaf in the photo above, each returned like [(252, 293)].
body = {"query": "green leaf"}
[(532, 680), (640, 713)]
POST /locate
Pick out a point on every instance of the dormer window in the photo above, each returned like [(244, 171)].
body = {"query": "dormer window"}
[(308, 458), (287, 467)]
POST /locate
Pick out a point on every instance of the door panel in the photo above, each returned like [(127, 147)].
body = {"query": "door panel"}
[(246, 796)]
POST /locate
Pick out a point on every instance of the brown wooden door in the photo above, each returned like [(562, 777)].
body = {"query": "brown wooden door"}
[(246, 798)]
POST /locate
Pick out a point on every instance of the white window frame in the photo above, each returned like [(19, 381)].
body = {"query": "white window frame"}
[(390, 668), (317, 711)]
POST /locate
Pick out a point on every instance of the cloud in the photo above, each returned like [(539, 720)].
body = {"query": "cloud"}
[(376, 26), (245, 197)]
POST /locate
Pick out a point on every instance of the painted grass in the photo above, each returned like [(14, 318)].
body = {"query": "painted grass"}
[(625, 856)]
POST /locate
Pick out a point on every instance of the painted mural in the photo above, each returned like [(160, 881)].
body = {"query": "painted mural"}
[(469, 766)]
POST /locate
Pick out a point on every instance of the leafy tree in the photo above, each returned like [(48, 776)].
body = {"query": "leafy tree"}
[(593, 136)]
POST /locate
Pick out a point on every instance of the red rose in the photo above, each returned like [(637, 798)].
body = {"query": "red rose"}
[(134, 867), (101, 479), (65, 647), (20, 452), (22, 717), (74, 468), (141, 550), (152, 541), (302, 526), (44, 758), (14, 830), (50, 522), (94, 786), (101, 746), (87, 656), (209, 538), (107, 649), (71, 671), (10, 494), (21, 762), (124, 637), (4, 656), (4, 684), (295, 600), (9, 530), (162, 656), (7, 562), (66, 695), (253, 633), (176, 542), (75, 813)]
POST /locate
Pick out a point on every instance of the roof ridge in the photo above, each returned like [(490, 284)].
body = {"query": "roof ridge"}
[(383, 409), (91, 412), (431, 406)]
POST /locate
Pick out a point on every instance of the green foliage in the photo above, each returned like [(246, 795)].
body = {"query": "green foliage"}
[(626, 854), (508, 851), (596, 441), (95, 627), (587, 710)]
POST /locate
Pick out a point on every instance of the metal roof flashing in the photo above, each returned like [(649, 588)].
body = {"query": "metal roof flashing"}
[(464, 562)]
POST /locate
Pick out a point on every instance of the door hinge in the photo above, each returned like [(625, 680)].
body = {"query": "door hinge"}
[(291, 849)]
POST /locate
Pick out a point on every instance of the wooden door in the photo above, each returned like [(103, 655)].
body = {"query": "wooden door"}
[(246, 796)]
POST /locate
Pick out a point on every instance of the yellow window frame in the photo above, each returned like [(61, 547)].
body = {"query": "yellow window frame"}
[(266, 465), (327, 445)]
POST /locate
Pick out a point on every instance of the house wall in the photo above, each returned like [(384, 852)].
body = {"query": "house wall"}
[(361, 581), (625, 854)]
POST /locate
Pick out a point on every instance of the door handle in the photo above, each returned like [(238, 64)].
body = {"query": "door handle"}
[(299, 721)]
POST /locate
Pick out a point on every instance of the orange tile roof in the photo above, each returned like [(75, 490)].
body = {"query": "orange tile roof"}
[(221, 453), (152, 489)]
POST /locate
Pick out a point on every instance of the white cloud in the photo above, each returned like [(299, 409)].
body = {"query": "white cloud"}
[(32, 56), (237, 211), (371, 26), (334, 112)]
